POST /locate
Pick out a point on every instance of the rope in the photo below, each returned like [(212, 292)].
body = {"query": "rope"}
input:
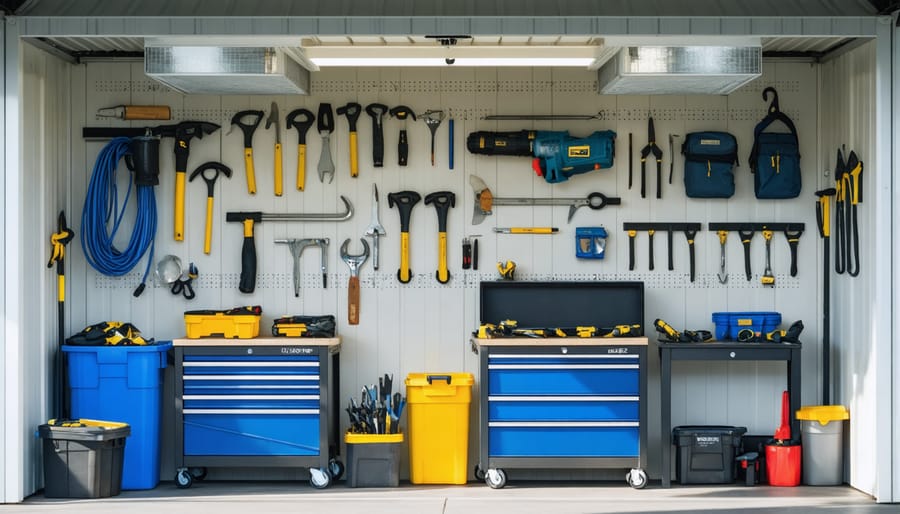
[(101, 221)]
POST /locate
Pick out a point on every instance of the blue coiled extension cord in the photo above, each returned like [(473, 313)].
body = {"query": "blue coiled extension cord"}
[(101, 217)]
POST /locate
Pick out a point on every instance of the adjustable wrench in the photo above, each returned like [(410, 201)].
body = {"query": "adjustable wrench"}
[(354, 262), (325, 126)]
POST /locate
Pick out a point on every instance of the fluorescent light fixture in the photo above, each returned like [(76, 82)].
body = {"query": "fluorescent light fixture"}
[(472, 55)]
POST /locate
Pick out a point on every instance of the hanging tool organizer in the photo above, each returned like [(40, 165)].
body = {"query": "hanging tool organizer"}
[(791, 231), (690, 232)]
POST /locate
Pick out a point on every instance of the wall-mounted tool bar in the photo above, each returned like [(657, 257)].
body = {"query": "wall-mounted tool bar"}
[(689, 229), (791, 231)]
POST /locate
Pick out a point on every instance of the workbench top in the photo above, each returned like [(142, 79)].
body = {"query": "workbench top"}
[(561, 341), (261, 341)]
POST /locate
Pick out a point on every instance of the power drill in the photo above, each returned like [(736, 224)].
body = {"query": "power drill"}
[(557, 155)]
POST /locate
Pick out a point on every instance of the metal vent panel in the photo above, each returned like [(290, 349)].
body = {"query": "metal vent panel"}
[(680, 70), (226, 70)]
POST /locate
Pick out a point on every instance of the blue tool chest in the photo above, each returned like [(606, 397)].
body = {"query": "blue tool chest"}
[(562, 402), (263, 403)]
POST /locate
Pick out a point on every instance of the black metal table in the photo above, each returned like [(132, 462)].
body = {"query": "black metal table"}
[(720, 351)]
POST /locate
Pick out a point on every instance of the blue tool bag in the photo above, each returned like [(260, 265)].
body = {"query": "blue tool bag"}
[(709, 161), (775, 157)]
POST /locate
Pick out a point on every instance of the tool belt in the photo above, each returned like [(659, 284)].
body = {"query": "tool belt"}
[(303, 326), (110, 333)]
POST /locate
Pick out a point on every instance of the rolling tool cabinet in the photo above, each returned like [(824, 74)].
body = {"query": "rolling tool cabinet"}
[(266, 402), (562, 403)]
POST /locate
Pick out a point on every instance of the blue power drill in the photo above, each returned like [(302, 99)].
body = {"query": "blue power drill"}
[(557, 155)]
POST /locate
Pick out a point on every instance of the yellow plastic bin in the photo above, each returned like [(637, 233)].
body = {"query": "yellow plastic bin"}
[(822, 431), (438, 426)]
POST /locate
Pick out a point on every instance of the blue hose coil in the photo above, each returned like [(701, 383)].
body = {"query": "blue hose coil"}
[(101, 217)]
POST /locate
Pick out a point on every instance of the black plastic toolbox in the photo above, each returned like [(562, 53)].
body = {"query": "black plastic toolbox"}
[(706, 454), (83, 461)]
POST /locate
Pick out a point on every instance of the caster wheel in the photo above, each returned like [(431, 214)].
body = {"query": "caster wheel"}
[(319, 478), (636, 478), (183, 479), (479, 473), (336, 468), (495, 478), (198, 473)]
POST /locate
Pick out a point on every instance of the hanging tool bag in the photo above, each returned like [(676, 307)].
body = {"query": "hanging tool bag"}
[(775, 159), (709, 161), (303, 326)]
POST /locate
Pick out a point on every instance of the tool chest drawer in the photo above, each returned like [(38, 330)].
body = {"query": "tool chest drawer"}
[(563, 408), (587, 374), (251, 432), (564, 439)]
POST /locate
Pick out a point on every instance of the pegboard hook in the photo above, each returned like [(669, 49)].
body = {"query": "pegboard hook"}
[(773, 107)]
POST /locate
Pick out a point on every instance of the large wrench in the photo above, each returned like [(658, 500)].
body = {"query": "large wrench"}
[(354, 262), (325, 126), (375, 230), (296, 246)]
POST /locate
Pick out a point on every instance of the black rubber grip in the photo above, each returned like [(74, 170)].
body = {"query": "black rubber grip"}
[(643, 179), (475, 254), (669, 241), (403, 148), (745, 240), (248, 266), (658, 179), (691, 253), (630, 253), (650, 248), (377, 144)]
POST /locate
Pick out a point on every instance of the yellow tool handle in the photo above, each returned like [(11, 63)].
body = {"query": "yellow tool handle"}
[(354, 155), (301, 167), (443, 275), (404, 257), (278, 178), (826, 216), (207, 239), (723, 236), (532, 230), (251, 174), (147, 112), (60, 288), (179, 205), (353, 301)]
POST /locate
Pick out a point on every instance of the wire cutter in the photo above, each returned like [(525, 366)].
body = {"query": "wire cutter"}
[(657, 154)]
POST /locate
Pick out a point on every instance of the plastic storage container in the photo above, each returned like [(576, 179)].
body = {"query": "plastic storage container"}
[(822, 432), (83, 461), (373, 460), (706, 454), (124, 384), (199, 324), (438, 426), (728, 324), (783, 464)]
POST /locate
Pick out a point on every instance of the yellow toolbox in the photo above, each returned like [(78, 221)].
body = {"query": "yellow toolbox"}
[(237, 323)]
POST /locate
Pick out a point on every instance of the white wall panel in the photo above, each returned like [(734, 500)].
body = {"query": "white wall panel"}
[(423, 325), (848, 101)]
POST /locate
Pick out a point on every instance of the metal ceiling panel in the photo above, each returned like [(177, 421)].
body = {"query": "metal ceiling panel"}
[(369, 8)]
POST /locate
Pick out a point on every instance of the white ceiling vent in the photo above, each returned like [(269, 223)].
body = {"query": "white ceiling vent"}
[(680, 70), (223, 70)]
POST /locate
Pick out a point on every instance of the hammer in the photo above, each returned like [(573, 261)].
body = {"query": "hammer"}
[(405, 201), (352, 111), (217, 168), (296, 246), (443, 201)]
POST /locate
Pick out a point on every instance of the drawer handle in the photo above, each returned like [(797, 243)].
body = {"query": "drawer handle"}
[(251, 397), (569, 424), (563, 366), (250, 411), (563, 398)]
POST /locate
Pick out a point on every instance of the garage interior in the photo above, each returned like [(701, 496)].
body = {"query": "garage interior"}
[(833, 67)]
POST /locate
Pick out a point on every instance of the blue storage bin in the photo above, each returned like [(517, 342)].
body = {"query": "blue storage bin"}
[(728, 324), (123, 383)]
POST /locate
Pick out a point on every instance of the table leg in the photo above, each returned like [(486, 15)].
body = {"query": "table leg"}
[(793, 371), (665, 381)]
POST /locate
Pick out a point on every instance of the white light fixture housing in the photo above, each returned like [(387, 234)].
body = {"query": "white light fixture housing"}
[(472, 55)]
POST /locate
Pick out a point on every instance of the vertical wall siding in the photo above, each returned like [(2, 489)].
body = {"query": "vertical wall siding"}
[(848, 100), (423, 325)]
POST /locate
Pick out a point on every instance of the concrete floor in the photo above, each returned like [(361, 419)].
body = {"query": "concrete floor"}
[(520, 498)]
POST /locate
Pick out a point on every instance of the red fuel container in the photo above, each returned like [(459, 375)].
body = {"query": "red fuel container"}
[(783, 464)]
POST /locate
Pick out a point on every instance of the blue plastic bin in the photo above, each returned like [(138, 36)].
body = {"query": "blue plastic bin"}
[(123, 383), (728, 324)]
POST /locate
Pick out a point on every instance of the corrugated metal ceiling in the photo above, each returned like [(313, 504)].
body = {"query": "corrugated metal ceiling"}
[(449, 8)]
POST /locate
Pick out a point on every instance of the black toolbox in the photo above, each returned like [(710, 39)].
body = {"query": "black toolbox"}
[(84, 458), (706, 454)]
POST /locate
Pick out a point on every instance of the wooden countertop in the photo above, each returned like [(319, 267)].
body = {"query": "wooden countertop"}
[(561, 341), (261, 341)]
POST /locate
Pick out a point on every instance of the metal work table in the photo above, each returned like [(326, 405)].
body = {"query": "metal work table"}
[(262, 402), (562, 403), (720, 351)]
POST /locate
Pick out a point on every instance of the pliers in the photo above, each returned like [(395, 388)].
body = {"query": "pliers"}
[(657, 154)]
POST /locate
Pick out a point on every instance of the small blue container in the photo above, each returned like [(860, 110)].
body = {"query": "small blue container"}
[(728, 324), (124, 384)]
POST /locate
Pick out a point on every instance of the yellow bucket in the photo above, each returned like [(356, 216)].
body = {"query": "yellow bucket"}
[(438, 426)]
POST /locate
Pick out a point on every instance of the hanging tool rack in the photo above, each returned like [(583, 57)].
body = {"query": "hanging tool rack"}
[(791, 231), (689, 229)]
